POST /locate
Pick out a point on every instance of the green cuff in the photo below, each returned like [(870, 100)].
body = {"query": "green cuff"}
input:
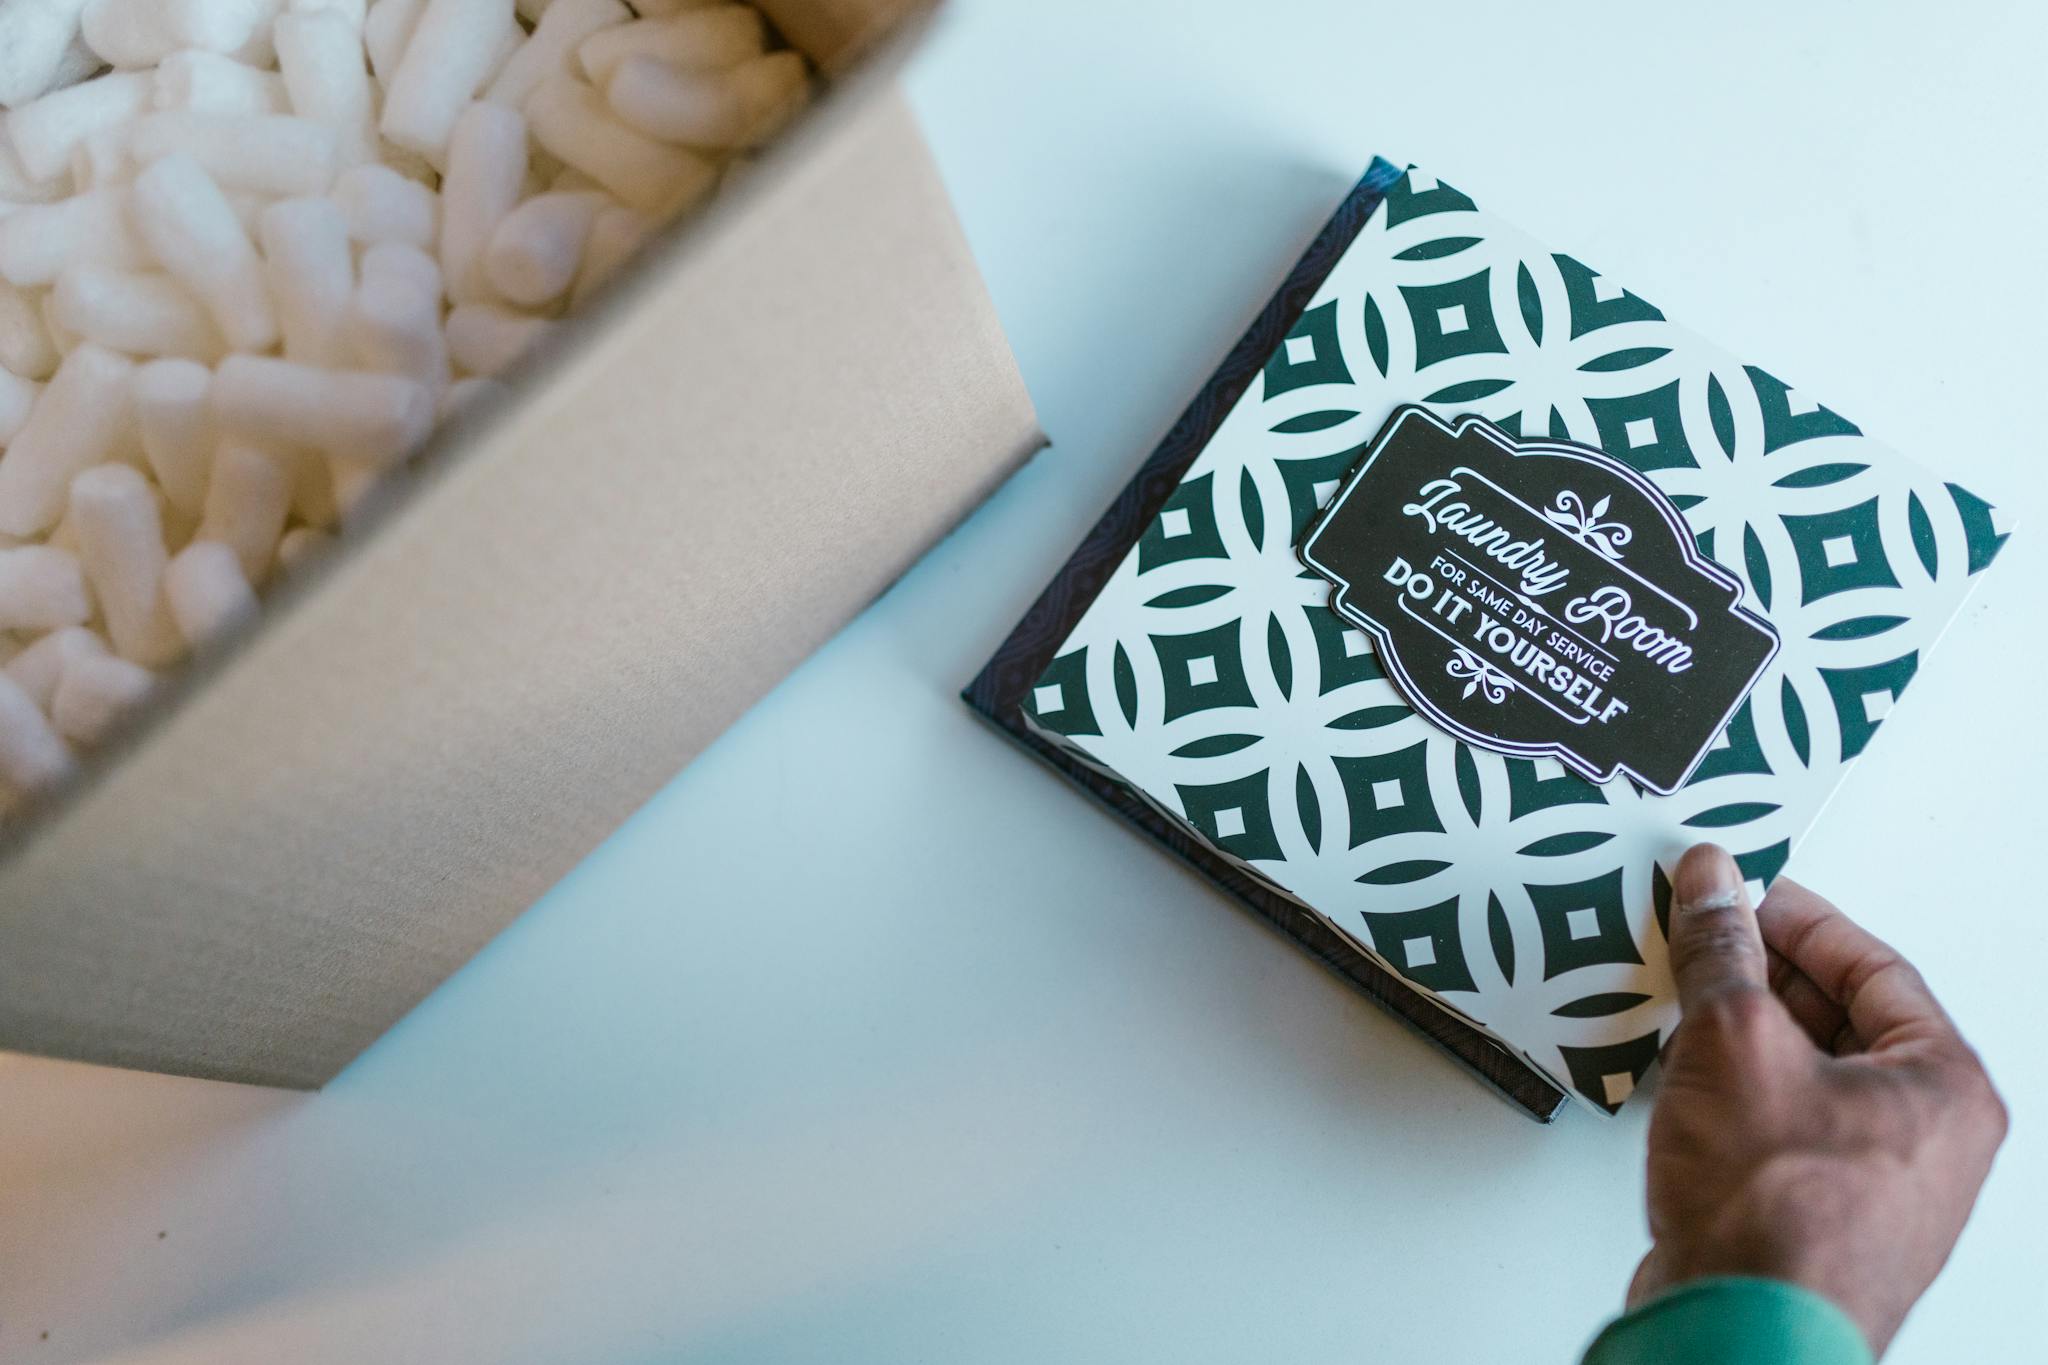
[(1732, 1321)]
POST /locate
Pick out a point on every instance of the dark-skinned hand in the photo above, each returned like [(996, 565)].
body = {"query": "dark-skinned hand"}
[(1820, 1120)]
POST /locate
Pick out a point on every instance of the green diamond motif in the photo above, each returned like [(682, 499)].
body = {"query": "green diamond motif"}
[(1452, 319), (1418, 194), (1839, 551), (1583, 924), (1184, 529), (1423, 945), (1646, 430), (1236, 816), (1202, 671), (1309, 354), (1596, 301), (1785, 424), (1310, 483), (1529, 790), (1862, 696), (1059, 699), (1344, 656), (1608, 1074), (1389, 793), (1453, 864)]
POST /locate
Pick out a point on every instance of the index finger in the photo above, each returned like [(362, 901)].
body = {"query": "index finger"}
[(1884, 997)]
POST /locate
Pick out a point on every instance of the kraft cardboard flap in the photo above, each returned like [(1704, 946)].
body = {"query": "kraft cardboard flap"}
[(542, 634)]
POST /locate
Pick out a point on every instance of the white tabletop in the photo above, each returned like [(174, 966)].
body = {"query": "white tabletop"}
[(869, 1040)]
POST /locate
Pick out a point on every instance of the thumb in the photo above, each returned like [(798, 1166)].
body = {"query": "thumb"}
[(1716, 947)]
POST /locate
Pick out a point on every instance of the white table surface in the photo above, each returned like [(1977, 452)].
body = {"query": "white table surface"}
[(868, 1040)]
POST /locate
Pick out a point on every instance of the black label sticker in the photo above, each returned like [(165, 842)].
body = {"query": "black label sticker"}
[(1538, 598)]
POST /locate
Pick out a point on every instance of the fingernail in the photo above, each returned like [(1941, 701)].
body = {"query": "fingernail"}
[(1707, 879)]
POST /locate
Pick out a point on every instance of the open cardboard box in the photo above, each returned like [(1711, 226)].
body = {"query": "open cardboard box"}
[(757, 430)]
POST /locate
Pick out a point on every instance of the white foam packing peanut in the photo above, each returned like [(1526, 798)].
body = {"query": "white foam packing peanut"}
[(35, 37), (395, 317), (560, 32), (174, 417), (33, 757), (353, 11), (79, 422), (271, 204), (17, 401), (42, 588), (273, 154), (121, 544), (25, 346), (247, 504), (37, 669), (487, 340), (207, 82), (573, 122), (39, 240), (207, 591), (144, 314), (321, 56), (45, 131), (312, 274), (451, 52), (538, 248), (710, 39), (101, 160), (195, 234), (705, 109), (301, 546), (137, 33), (350, 414), (661, 9), (18, 187), (387, 28), (94, 693), (487, 162), (383, 206), (615, 236)]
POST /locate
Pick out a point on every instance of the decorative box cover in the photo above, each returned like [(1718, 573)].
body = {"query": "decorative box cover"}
[(1213, 678)]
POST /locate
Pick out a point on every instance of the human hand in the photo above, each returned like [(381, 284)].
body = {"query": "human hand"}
[(1820, 1120)]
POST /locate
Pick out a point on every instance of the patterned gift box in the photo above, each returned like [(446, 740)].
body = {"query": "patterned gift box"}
[(1209, 678)]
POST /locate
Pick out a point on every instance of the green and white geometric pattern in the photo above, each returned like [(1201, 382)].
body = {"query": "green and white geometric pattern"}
[(1211, 676)]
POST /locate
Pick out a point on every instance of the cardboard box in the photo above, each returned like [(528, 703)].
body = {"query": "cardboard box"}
[(744, 444)]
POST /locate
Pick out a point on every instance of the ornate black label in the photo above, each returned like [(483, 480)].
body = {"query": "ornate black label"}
[(1538, 597)]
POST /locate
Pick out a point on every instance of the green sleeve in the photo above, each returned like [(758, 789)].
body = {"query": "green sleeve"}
[(1732, 1322)]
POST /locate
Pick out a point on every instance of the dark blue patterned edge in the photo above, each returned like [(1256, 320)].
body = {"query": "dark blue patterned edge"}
[(997, 693)]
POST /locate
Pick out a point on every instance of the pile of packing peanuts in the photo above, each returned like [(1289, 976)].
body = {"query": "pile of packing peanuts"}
[(252, 250)]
